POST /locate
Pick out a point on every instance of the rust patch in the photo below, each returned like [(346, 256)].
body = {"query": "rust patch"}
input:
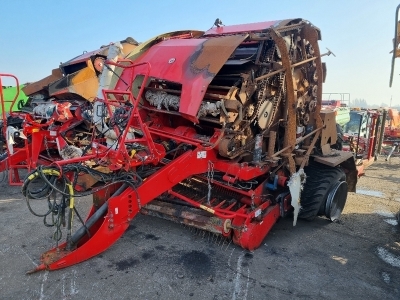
[(290, 134), (52, 256), (311, 34), (41, 84), (214, 53)]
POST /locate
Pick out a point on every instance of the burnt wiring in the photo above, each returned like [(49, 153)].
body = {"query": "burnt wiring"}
[(133, 179), (52, 191)]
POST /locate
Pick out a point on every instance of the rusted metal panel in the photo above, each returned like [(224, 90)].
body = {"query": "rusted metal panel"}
[(252, 27), (128, 46), (287, 24), (83, 57), (83, 83), (37, 86), (290, 131), (312, 34), (329, 133), (213, 53), (185, 215), (143, 47), (334, 159)]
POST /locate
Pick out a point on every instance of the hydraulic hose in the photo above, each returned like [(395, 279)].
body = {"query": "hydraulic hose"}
[(94, 218)]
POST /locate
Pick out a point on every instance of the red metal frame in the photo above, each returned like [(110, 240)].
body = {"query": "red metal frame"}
[(248, 225), (14, 162), (246, 217), (2, 100)]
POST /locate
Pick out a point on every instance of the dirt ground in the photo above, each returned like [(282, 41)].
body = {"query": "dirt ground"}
[(357, 257)]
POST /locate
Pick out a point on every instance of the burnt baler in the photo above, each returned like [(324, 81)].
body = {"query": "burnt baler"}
[(57, 102), (220, 131), (59, 107)]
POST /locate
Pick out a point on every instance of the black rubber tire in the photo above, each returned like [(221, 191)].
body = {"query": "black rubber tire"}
[(319, 181)]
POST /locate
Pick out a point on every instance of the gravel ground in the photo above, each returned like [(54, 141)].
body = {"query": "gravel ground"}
[(357, 257)]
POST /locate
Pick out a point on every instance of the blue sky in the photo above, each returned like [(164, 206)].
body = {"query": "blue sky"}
[(35, 36)]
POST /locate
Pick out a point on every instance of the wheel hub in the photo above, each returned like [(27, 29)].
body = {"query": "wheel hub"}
[(336, 200)]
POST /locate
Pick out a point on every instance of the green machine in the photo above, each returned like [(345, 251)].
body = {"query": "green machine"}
[(9, 93)]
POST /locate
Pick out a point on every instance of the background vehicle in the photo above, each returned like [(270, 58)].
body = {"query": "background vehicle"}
[(363, 135), (9, 92), (340, 104), (392, 128)]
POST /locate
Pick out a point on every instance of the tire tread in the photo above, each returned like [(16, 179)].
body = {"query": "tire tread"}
[(320, 178)]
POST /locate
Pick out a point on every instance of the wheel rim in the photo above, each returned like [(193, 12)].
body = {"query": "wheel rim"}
[(336, 200)]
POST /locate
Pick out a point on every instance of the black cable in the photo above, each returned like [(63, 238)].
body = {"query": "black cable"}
[(59, 185)]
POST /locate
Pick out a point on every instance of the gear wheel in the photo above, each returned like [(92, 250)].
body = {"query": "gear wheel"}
[(265, 114)]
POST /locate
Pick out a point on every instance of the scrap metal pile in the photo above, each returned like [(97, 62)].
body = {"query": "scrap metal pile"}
[(220, 130)]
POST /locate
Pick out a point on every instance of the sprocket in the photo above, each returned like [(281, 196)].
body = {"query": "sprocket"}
[(265, 114)]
